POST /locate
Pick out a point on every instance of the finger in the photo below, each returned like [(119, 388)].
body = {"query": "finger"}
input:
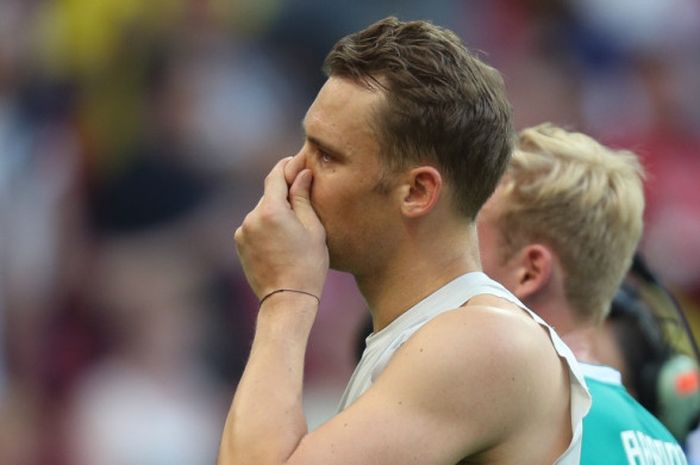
[(295, 165), (300, 197), (276, 188)]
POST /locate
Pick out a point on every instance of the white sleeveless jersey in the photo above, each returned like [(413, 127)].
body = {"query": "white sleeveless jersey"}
[(381, 346)]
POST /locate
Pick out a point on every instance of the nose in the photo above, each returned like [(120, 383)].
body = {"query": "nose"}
[(300, 158)]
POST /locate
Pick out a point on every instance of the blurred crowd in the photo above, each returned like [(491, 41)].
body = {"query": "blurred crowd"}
[(134, 137)]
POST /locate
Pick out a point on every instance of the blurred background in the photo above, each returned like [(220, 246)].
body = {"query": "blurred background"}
[(134, 137)]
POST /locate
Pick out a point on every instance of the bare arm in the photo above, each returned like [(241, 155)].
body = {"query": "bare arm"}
[(281, 244), (266, 421), (452, 391)]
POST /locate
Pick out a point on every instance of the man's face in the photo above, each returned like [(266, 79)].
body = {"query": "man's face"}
[(342, 152), (491, 241)]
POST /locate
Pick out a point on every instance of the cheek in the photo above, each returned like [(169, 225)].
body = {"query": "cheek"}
[(491, 261), (486, 248), (489, 266)]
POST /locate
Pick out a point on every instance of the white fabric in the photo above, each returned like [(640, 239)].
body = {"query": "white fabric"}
[(381, 347), (602, 373)]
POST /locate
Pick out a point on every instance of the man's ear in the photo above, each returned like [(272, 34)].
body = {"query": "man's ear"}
[(420, 191), (534, 271)]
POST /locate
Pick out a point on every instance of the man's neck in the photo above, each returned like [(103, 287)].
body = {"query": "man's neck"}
[(581, 337), (418, 271)]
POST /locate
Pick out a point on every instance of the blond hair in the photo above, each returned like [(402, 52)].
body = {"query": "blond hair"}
[(583, 200)]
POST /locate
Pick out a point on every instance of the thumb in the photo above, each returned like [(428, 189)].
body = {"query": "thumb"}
[(300, 197)]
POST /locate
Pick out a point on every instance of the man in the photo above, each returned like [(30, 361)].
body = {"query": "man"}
[(456, 371), (560, 232)]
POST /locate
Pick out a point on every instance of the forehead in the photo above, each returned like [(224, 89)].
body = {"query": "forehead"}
[(343, 112)]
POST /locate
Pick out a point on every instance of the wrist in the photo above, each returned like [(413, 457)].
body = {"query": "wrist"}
[(293, 291), (287, 313)]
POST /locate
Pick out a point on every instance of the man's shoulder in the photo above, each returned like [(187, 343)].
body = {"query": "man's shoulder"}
[(481, 336), (488, 363), (485, 323)]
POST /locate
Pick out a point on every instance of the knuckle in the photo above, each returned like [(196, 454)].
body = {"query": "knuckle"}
[(295, 196), (247, 226), (268, 213), (247, 221)]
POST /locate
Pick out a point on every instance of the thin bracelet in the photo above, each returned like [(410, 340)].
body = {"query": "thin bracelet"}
[(288, 290)]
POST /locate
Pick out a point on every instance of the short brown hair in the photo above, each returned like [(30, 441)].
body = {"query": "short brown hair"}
[(444, 105), (582, 199)]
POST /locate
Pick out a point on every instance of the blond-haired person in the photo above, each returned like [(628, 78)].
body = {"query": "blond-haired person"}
[(456, 371), (560, 233)]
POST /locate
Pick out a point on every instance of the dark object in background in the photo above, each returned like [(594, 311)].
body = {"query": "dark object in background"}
[(664, 379), (151, 191)]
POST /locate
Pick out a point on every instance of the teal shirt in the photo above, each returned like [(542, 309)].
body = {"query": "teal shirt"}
[(618, 430)]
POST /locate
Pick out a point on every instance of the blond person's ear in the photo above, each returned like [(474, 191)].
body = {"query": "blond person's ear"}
[(534, 264)]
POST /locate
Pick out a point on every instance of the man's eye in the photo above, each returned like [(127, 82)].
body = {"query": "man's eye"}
[(324, 157)]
